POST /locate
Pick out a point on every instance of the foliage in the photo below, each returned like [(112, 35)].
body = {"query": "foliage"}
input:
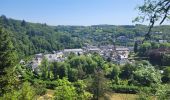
[(60, 70), (158, 53), (153, 11), (65, 90), (146, 75), (163, 92), (8, 61), (166, 59), (145, 94), (136, 47), (40, 88), (144, 48), (166, 75), (68, 91), (31, 38), (127, 71), (125, 88), (80, 89), (26, 92), (114, 75), (99, 84)]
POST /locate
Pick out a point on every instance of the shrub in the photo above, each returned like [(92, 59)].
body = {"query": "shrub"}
[(40, 88), (125, 89)]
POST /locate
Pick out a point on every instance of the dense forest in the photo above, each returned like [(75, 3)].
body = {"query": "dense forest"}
[(87, 76), (31, 38)]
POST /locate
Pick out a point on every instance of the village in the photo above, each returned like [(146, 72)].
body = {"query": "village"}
[(112, 53), (116, 54)]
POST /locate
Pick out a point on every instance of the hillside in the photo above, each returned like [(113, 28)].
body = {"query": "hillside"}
[(30, 38)]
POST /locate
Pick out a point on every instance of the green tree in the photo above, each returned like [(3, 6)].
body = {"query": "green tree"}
[(27, 92), (82, 93), (44, 67), (115, 74), (99, 85), (146, 75), (144, 48), (166, 75), (165, 59), (127, 71), (60, 69), (65, 90), (153, 11), (163, 92), (165, 45), (136, 47), (155, 45), (12, 95), (73, 74), (8, 59)]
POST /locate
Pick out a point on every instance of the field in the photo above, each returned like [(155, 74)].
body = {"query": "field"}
[(119, 96), (108, 96)]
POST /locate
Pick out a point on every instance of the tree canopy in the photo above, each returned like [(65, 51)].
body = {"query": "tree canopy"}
[(154, 11)]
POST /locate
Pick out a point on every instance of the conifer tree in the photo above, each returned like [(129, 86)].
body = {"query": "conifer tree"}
[(8, 60)]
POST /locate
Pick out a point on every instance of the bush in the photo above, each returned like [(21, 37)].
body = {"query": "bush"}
[(51, 84), (145, 94), (40, 88), (125, 89)]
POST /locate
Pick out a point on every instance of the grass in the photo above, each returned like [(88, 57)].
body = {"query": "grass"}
[(119, 96), (47, 96), (122, 96), (108, 96)]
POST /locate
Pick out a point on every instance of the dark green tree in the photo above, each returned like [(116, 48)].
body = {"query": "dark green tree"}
[(127, 71), (44, 68), (144, 48), (8, 59), (99, 85), (136, 47), (166, 75)]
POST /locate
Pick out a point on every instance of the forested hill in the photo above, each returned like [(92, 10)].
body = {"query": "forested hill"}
[(31, 38)]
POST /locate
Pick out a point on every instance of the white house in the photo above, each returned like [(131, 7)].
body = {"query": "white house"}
[(76, 51)]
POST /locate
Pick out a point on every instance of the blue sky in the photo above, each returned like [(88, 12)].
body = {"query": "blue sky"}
[(72, 12)]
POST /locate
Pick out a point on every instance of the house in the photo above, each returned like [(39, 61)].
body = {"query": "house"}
[(122, 52), (22, 62), (51, 57), (107, 47), (35, 63), (94, 50), (40, 55), (60, 54), (75, 51), (162, 41), (122, 38)]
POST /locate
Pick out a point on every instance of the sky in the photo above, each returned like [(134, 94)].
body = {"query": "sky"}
[(72, 12)]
